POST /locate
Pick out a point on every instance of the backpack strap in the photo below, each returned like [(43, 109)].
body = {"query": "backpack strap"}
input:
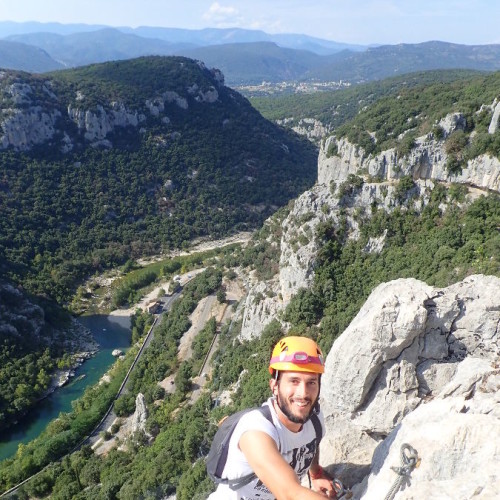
[(317, 427), (236, 484)]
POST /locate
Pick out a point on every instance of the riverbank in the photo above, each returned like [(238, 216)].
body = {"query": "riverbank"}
[(94, 338), (82, 346)]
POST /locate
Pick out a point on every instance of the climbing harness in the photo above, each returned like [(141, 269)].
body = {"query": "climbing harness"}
[(409, 460)]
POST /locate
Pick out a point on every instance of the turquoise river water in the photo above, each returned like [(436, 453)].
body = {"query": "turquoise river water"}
[(110, 335)]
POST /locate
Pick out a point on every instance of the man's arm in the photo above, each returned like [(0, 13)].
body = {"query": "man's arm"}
[(264, 458)]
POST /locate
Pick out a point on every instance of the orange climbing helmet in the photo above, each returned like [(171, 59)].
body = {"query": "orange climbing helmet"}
[(297, 354)]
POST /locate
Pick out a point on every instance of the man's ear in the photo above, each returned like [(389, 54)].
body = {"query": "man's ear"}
[(273, 384)]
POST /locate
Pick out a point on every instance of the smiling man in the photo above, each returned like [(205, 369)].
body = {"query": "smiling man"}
[(276, 454)]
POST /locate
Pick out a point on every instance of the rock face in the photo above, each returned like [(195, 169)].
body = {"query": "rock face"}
[(495, 119), (312, 128), (426, 164), (418, 365), (299, 246), (427, 160), (138, 421), (260, 309), (38, 112), (96, 125)]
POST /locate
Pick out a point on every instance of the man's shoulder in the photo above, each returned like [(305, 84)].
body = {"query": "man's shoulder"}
[(256, 419)]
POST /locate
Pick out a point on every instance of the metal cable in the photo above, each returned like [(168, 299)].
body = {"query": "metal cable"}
[(409, 460)]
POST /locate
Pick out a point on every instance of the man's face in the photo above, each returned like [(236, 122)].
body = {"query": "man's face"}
[(296, 394)]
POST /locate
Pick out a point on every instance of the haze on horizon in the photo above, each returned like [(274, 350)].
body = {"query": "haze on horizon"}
[(470, 22)]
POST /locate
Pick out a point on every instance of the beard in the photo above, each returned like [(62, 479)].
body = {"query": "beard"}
[(286, 408)]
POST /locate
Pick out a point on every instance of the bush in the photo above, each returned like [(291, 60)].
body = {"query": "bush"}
[(405, 146), (332, 149), (405, 185), (456, 142), (124, 405), (352, 184)]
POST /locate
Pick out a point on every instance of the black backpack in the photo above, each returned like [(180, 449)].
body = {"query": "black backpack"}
[(217, 456)]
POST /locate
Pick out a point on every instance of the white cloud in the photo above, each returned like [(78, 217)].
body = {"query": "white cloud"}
[(221, 15)]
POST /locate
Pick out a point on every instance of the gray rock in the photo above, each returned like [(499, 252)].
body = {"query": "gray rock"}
[(427, 160), (418, 365), (495, 119), (140, 415)]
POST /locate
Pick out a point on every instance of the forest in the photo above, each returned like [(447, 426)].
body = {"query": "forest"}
[(68, 215)]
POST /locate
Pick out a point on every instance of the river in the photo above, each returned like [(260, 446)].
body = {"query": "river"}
[(110, 335)]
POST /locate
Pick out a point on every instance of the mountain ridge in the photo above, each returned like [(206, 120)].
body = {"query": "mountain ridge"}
[(277, 58)]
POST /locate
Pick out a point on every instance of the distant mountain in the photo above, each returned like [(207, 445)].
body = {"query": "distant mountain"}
[(244, 63), (215, 36), (247, 57), (103, 45), (390, 60), (203, 37), (8, 28), (26, 57)]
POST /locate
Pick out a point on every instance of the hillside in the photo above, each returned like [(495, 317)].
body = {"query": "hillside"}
[(389, 60), (79, 49), (114, 161), (194, 37), (316, 114), (256, 62), (36, 339), (26, 57)]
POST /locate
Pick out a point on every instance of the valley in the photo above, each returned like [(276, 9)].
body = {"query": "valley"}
[(378, 238)]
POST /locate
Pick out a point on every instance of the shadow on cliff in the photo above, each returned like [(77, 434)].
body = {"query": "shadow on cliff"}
[(352, 474)]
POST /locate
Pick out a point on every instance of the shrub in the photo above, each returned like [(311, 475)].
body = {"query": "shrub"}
[(332, 150)]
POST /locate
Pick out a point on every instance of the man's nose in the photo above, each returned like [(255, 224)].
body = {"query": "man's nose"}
[(301, 389)]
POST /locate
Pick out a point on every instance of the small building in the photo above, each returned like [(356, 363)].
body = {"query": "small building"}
[(155, 307)]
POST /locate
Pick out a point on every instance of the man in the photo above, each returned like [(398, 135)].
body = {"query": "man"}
[(281, 453)]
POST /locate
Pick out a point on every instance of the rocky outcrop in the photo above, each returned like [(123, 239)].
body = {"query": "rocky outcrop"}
[(299, 246), (138, 420), (418, 365), (426, 160), (96, 125), (323, 203), (495, 119), (262, 305), (23, 129), (37, 113)]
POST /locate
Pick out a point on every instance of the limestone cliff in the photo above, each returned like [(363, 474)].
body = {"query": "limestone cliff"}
[(38, 110), (418, 365), (426, 160)]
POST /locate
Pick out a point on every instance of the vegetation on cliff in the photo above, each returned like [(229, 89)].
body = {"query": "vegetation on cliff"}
[(438, 246)]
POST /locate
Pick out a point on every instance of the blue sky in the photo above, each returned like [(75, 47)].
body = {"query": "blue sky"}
[(351, 21)]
